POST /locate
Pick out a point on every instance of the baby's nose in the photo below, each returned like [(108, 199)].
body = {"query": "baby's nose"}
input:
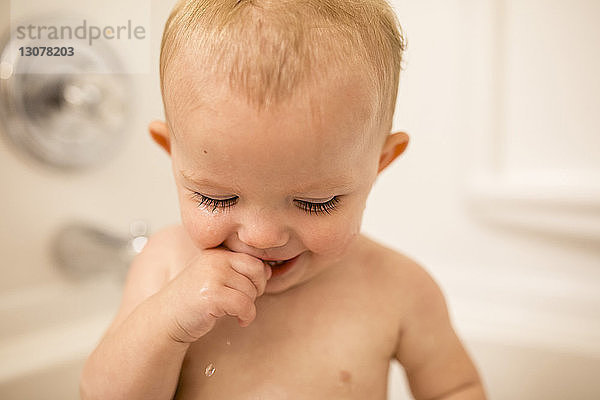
[(263, 236)]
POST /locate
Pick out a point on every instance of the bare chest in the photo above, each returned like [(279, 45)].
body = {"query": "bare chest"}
[(316, 345)]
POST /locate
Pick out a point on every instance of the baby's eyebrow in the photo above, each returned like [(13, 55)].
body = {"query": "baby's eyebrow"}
[(331, 184), (338, 183), (200, 181)]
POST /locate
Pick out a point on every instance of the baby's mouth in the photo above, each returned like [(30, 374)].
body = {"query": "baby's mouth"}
[(278, 263), (275, 263), (281, 267)]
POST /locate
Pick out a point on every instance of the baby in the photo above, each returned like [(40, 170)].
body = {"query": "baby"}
[(278, 117)]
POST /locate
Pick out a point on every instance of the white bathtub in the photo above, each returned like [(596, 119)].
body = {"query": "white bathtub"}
[(47, 332)]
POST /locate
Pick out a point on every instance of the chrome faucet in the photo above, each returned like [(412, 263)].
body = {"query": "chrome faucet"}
[(81, 251)]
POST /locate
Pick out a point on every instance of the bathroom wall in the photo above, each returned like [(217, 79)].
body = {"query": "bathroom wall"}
[(135, 184), (498, 194), (499, 98)]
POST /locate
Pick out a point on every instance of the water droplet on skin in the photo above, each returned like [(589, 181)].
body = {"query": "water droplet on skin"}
[(210, 370), (228, 342)]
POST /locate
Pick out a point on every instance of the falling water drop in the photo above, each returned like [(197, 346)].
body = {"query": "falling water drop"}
[(210, 370), (228, 342)]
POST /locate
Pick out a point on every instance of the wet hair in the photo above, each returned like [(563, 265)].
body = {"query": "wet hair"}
[(271, 50)]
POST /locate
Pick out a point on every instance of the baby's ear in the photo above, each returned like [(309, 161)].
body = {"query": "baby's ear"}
[(394, 145), (160, 133)]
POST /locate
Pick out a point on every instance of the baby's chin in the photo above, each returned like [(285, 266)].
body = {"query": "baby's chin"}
[(290, 275), (310, 268)]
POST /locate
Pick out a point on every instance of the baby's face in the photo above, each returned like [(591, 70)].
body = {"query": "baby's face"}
[(282, 183)]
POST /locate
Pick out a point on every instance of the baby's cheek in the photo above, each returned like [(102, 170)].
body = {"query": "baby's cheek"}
[(332, 238), (205, 231)]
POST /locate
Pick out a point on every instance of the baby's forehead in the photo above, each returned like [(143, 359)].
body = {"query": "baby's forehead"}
[(326, 130), (236, 126), (193, 97)]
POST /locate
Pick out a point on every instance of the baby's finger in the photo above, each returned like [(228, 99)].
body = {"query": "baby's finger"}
[(237, 304), (237, 281), (253, 268)]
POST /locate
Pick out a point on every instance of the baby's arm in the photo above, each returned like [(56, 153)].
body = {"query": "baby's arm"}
[(136, 359), (436, 363), (141, 354)]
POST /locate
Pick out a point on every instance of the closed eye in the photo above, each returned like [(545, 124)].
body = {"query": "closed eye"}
[(204, 201), (318, 208), (308, 207)]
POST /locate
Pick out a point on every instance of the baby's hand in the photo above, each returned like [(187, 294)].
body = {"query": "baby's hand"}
[(214, 283)]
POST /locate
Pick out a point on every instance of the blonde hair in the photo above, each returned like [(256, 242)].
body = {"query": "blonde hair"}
[(272, 49)]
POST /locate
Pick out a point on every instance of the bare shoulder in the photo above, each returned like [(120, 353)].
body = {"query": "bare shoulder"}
[(404, 276), (150, 270), (410, 285), (411, 293), (159, 253), (433, 356)]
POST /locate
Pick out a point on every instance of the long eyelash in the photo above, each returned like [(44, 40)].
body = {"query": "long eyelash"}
[(223, 204), (316, 208), (319, 208)]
